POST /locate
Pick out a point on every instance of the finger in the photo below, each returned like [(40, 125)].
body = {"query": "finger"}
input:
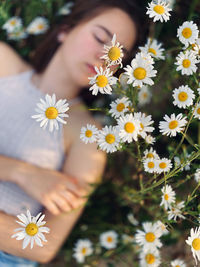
[(61, 202), (76, 186), (49, 204), (73, 200)]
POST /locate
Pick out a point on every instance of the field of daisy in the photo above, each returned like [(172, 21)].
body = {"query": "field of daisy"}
[(146, 211)]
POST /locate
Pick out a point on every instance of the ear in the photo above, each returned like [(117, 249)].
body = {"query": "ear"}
[(61, 37)]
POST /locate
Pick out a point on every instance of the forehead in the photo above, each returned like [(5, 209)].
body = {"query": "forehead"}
[(116, 21)]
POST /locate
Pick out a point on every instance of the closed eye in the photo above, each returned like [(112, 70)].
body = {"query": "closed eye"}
[(99, 40)]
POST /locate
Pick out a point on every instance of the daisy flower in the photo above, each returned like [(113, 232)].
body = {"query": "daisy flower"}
[(172, 125), (149, 238), (159, 10), (176, 212), (178, 263), (17, 35), (164, 165), (186, 62), (119, 107), (51, 112), (89, 134), (168, 197), (32, 229), (197, 111), (114, 53), (150, 165), (162, 227), (197, 176), (150, 139), (144, 96), (132, 219), (183, 96), (13, 24), (145, 122), (66, 9), (38, 26), (108, 239), (154, 48), (150, 153), (129, 128), (140, 72), (194, 241), (188, 33), (102, 81), (83, 248), (108, 139), (150, 258)]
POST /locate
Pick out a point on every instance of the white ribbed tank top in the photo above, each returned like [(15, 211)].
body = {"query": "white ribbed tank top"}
[(22, 138)]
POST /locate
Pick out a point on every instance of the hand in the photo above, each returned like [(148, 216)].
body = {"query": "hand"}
[(57, 191)]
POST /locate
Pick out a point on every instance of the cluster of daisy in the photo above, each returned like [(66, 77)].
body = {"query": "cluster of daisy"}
[(16, 31)]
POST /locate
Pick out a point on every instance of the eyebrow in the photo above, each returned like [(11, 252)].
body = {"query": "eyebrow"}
[(111, 36)]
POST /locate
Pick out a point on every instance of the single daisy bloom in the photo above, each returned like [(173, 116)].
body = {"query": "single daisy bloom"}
[(150, 165), (89, 134), (119, 107), (186, 62), (108, 239), (102, 81), (140, 72), (154, 48), (108, 139), (51, 112), (197, 176), (188, 33), (144, 96), (13, 24), (132, 219), (145, 123), (32, 229), (162, 227), (150, 140), (150, 258), (66, 9), (197, 111), (194, 241), (172, 125), (164, 165), (183, 96), (114, 53), (176, 212), (149, 238), (83, 248), (159, 10), (38, 26), (127, 239), (129, 128), (17, 35), (168, 197), (151, 154), (178, 263)]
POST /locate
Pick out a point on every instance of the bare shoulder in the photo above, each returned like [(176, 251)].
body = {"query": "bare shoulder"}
[(10, 62)]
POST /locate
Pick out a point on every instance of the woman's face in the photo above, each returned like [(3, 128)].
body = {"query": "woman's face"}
[(83, 46)]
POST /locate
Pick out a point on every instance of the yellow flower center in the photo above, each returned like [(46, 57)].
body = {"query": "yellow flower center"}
[(101, 80), (177, 266), (114, 53), (150, 259), (40, 26), (173, 124), (13, 22), (166, 196), (182, 96), (153, 51), (150, 237), (198, 111), (151, 165), (162, 165), (129, 127), (186, 63), (139, 73), (84, 250), (196, 243), (150, 155), (145, 95), (159, 9), (31, 229), (120, 107), (187, 32), (110, 138), (88, 133), (109, 239), (51, 113)]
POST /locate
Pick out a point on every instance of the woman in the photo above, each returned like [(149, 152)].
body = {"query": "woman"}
[(48, 172)]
